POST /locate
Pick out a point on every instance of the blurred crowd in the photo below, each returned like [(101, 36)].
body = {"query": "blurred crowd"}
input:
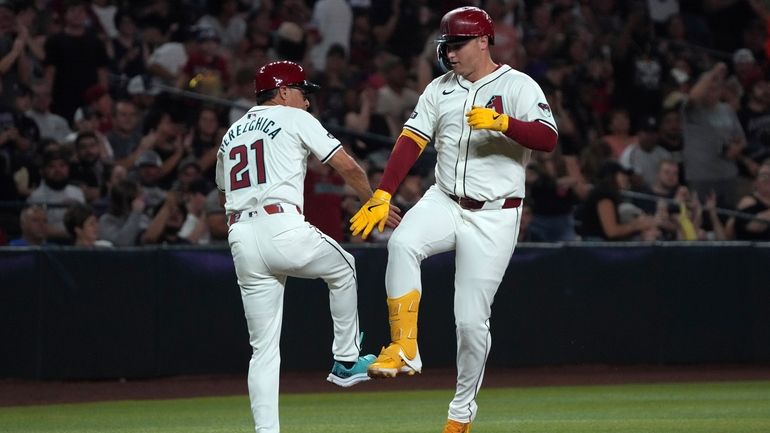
[(111, 112)]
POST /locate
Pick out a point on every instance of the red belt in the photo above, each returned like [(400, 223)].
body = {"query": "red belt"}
[(471, 204), (269, 209)]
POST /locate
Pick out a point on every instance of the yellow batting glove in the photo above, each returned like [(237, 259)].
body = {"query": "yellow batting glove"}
[(487, 118), (373, 213)]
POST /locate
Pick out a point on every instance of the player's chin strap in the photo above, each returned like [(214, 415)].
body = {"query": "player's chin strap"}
[(443, 58)]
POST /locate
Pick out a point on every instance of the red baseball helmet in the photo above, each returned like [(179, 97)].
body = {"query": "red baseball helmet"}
[(466, 23), (283, 73)]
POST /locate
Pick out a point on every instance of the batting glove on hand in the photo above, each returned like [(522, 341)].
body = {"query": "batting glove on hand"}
[(487, 118), (373, 212)]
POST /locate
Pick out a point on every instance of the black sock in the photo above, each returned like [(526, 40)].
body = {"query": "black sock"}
[(347, 364)]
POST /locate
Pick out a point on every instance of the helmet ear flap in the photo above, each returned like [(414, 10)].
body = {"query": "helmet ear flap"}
[(443, 58)]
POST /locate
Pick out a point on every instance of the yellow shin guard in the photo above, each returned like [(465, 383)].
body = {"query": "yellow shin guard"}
[(403, 321)]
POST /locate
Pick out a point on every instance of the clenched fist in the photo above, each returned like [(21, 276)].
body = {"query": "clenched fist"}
[(373, 213), (487, 118)]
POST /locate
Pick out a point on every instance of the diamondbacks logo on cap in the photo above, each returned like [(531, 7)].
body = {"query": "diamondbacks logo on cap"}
[(413, 115), (545, 109)]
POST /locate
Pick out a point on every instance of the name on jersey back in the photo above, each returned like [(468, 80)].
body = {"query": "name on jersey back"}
[(255, 124)]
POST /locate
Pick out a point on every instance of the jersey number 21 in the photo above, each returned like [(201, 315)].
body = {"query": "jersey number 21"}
[(239, 178)]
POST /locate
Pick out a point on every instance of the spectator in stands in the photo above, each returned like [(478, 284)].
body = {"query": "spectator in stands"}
[(226, 22), (755, 119), (142, 92), (526, 221), (99, 103), (195, 227), (75, 60), (102, 17), (552, 199), (189, 171), (324, 191), (14, 64), (216, 220), (125, 219), (290, 43), (410, 191), (396, 26), (148, 173), (51, 126), (644, 156), (756, 204), (601, 219), (127, 52), (506, 49), (167, 56), (618, 135), (670, 134), (206, 70), (331, 24), (83, 227), (164, 136), (125, 135), (18, 138), (34, 225), (242, 92), (205, 139), (88, 171), (395, 100), (334, 80), (165, 226), (362, 118), (713, 138), (55, 192)]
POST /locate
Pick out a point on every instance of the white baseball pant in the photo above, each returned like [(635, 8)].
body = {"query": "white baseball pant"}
[(483, 241), (266, 249)]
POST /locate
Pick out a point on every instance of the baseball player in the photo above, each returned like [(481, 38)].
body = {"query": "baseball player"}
[(261, 167), (484, 120)]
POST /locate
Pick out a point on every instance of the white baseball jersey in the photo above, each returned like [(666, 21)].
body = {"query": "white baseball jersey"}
[(262, 161), (475, 163), (263, 156)]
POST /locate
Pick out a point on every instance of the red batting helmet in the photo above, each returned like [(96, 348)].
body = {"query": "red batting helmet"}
[(284, 73), (466, 23)]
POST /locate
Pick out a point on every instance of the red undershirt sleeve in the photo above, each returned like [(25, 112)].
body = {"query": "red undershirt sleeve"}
[(532, 135), (402, 158)]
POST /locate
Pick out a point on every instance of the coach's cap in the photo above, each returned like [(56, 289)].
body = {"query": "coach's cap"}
[(148, 158), (282, 73)]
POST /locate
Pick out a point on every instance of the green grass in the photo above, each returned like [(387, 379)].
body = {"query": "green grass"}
[(730, 407)]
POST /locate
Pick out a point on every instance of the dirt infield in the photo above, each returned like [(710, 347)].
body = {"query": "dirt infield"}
[(18, 392)]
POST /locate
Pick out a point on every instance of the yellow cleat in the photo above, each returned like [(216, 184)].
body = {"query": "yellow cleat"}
[(393, 361), (453, 426)]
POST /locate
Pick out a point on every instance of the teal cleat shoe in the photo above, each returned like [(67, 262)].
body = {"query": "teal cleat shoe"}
[(347, 377)]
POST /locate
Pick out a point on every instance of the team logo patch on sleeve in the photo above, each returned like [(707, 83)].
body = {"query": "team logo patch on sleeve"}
[(329, 134), (413, 115), (545, 109)]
